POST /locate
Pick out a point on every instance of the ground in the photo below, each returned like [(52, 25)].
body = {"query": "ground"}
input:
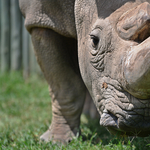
[(25, 113)]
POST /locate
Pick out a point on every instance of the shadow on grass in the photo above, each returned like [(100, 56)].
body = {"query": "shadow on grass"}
[(92, 131)]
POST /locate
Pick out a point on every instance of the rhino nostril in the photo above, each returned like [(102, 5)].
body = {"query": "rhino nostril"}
[(109, 119), (114, 117)]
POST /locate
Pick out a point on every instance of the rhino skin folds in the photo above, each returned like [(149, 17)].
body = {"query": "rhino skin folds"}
[(101, 46)]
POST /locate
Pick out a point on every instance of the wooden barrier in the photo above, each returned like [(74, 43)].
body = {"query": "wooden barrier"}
[(5, 35), (15, 42), (16, 50)]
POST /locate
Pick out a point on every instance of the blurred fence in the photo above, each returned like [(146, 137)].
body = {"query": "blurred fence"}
[(16, 50)]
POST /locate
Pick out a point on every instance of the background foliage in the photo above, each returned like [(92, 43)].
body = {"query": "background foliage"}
[(25, 105)]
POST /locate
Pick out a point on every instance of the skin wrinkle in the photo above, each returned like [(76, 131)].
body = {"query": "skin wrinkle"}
[(122, 100), (121, 105), (132, 103), (129, 122), (114, 83), (38, 14), (74, 121), (66, 106), (127, 106), (103, 48), (103, 65), (61, 115)]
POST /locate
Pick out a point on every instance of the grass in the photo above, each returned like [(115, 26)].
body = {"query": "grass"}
[(25, 113)]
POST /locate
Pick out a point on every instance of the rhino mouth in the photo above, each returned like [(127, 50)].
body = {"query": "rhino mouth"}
[(121, 126), (122, 113), (109, 120)]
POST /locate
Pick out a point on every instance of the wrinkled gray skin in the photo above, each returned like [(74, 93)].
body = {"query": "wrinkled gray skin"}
[(114, 61)]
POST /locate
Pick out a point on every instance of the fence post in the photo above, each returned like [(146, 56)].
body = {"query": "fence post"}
[(25, 51), (0, 34), (16, 22), (5, 35)]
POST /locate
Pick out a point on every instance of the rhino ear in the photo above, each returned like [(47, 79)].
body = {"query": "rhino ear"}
[(86, 15)]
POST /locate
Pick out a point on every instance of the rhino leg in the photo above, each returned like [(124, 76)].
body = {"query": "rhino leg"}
[(57, 57), (89, 108)]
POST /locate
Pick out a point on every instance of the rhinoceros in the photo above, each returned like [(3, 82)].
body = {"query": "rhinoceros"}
[(100, 46)]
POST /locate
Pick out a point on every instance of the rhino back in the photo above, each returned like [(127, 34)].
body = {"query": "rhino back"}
[(57, 15)]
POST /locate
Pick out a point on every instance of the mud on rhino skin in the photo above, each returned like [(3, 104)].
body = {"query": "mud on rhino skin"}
[(102, 46)]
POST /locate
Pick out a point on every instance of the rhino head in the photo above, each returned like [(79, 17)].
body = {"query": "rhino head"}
[(114, 60)]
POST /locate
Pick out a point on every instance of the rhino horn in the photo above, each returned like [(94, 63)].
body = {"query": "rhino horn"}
[(134, 26)]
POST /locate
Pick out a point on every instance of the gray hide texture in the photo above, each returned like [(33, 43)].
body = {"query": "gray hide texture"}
[(107, 42)]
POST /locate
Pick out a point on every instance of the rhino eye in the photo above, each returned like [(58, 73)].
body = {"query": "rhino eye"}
[(95, 41)]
